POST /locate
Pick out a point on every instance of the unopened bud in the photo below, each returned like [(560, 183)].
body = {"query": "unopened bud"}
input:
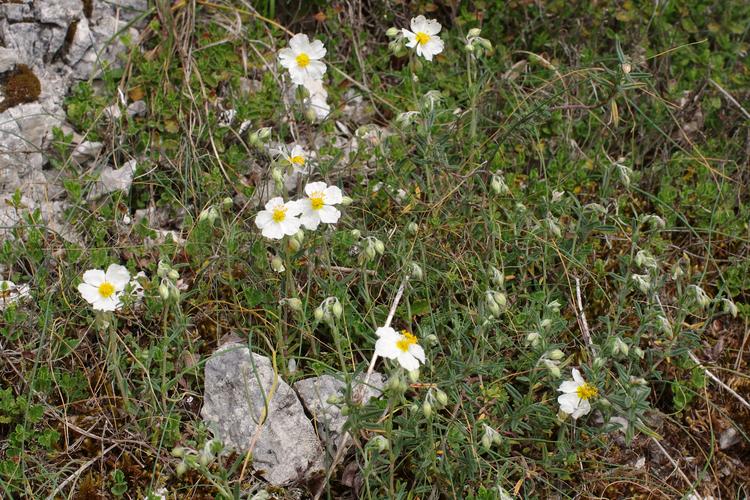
[(626, 67), (380, 443), (412, 228), (392, 32), (414, 376), (178, 452), (469, 47), (294, 244), (441, 397), (416, 271), (497, 277), (264, 133), (545, 323), (500, 298), (173, 275), (277, 264), (294, 304), (552, 368), (318, 313), (379, 247), (276, 174), (337, 309), (163, 291), (730, 307), (474, 32), (556, 354), (533, 339), (181, 468), (427, 409), (346, 201)]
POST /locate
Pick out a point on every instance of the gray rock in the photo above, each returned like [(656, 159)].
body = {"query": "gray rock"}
[(729, 438), (240, 388), (60, 12), (136, 108), (315, 393), (87, 150), (111, 180), (15, 12)]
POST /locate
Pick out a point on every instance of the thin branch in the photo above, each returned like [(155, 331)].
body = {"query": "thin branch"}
[(729, 98), (77, 473)]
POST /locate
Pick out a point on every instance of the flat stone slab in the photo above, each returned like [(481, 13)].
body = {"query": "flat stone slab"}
[(248, 406)]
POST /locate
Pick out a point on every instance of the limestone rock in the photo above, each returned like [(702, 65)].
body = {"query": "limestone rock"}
[(315, 393), (238, 384), (111, 180)]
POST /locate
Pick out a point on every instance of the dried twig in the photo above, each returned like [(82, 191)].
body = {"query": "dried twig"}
[(673, 462), (729, 98), (581, 315)]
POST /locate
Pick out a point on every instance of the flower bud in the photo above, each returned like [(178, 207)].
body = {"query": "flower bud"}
[(730, 307), (181, 468), (178, 452), (294, 244), (379, 247), (486, 441), (474, 32), (626, 67), (299, 236), (264, 133), (598, 363), (552, 368), (414, 376), (412, 228), (227, 202), (173, 275), (638, 352), (441, 397), (416, 271), (556, 354), (356, 234), (345, 410), (337, 309), (427, 409), (380, 443), (392, 32), (204, 459), (276, 174), (346, 201), (701, 297), (497, 183), (496, 276), (645, 259), (469, 47), (294, 303), (533, 339), (485, 43), (500, 298), (370, 251), (163, 291), (277, 264), (318, 313), (545, 323)]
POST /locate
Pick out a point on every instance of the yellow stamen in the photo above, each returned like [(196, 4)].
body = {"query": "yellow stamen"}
[(297, 160), (407, 340), (316, 200), (279, 213), (422, 38), (587, 391), (302, 60), (106, 289)]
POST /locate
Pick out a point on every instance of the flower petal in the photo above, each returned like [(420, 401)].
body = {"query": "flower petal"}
[(408, 361), (300, 43), (583, 408), (118, 275), (569, 386), (411, 38), (568, 402), (317, 50), (577, 376), (432, 27), (90, 293), (94, 277), (385, 347), (332, 195), (315, 187), (384, 331), (263, 219), (418, 24), (273, 231), (417, 351), (329, 214), (274, 202), (290, 225), (310, 220)]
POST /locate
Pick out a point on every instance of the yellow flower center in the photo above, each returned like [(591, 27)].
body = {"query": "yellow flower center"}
[(303, 60), (316, 200), (279, 213), (407, 340), (297, 160), (587, 391), (422, 38), (106, 289)]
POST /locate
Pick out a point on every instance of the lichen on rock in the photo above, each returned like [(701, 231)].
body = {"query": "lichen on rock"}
[(19, 86)]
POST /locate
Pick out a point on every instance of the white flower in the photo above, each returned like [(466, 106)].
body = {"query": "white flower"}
[(317, 100), (279, 218), (296, 157), (319, 205), (11, 293), (423, 36), (103, 289), (301, 58), (576, 394), (402, 347)]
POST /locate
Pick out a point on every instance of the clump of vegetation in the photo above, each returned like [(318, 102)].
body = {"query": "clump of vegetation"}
[(19, 86), (533, 219)]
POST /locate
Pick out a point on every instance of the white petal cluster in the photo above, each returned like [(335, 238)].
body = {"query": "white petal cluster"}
[(303, 60), (575, 396), (103, 290), (402, 347), (423, 37), (281, 218)]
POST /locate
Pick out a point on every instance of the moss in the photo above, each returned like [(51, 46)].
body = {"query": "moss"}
[(19, 86), (88, 8)]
